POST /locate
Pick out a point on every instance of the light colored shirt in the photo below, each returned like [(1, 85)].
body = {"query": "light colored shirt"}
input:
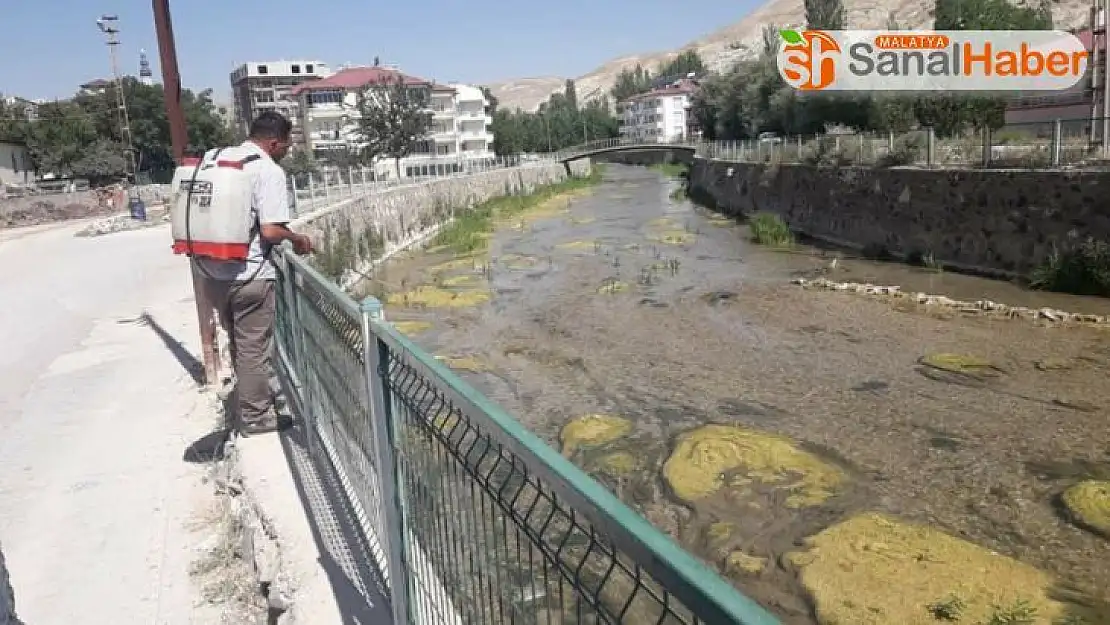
[(269, 205)]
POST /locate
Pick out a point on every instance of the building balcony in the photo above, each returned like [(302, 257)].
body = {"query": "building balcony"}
[(444, 136)]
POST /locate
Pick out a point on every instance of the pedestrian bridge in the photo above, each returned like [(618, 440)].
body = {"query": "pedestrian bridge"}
[(468, 516), (684, 150)]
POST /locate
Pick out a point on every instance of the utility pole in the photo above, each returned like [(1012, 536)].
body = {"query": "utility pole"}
[(1100, 33), (582, 112), (108, 25), (171, 85)]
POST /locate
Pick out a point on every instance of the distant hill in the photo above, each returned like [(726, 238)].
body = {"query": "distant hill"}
[(722, 48)]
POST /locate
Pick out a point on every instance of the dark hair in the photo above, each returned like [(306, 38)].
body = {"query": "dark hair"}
[(271, 125)]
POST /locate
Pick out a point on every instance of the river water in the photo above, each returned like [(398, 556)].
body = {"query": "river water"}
[(631, 303)]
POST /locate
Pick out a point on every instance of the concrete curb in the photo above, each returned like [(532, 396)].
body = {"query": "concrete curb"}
[(259, 544)]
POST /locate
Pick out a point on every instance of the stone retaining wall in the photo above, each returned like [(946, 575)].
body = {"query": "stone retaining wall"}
[(7, 596), (996, 221), (399, 215)]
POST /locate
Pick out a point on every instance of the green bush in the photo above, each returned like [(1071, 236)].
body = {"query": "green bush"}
[(1082, 270), (770, 229)]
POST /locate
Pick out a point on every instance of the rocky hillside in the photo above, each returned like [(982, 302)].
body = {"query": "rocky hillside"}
[(724, 47)]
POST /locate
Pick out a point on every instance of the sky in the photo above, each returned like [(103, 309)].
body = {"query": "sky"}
[(473, 41)]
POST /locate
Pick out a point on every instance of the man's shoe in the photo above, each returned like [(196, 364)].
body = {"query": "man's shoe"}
[(266, 426)]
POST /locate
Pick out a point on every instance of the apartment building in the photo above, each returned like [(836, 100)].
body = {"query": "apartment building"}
[(459, 134), (1081, 102), (269, 85), (30, 107), (659, 115)]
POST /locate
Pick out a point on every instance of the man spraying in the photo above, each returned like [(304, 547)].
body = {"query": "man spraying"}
[(230, 209)]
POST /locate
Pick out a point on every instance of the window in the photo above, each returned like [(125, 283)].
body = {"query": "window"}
[(296, 69), (262, 69), (309, 68)]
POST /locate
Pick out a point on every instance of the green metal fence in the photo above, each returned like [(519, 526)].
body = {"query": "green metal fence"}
[(471, 518)]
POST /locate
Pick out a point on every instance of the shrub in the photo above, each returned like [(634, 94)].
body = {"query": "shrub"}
[(1082, 270), (770, 229)]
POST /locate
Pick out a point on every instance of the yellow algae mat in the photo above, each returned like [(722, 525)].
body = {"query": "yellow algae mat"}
[(875, 570), (715, 457)]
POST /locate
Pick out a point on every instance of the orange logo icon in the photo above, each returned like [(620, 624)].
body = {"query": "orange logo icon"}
[(808, 59)]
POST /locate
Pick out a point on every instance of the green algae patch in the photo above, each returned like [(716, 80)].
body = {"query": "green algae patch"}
[(721, 221), (875, 570), (961, 363), (672, 237), (661, 222), (739, 563), (411, 328), (576, 246), (618, 464), (713, 457), (472, 262), (519, 262), (720, 531), (1088, 504), (464, 363), (464, 280), (610, 287), (581, 221), (593, 430), (435, 297)]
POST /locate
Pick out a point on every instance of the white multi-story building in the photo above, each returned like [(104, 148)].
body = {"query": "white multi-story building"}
[(459, 134), (658, 115), (260, 86)]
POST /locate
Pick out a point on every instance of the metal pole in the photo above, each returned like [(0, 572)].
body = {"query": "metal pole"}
[(1105, 83), (1093, 130), (383, 433), (1057, 136), (171, 86), (107, 26)]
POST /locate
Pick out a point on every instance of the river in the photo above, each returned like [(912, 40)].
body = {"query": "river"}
[(626, 302)]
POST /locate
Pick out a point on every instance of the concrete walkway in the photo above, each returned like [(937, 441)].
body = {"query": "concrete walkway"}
[(96, 410)]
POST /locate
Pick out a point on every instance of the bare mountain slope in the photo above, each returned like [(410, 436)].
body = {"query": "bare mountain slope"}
[(722, 48)]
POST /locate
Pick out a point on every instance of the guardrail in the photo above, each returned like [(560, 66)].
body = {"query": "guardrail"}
[(470, 517)]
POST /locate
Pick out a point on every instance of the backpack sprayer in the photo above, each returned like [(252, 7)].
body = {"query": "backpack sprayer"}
[(210, 209)]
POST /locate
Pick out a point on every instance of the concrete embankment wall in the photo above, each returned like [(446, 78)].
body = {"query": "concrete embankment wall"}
[(998, 221), (7, 596), (401, 215)]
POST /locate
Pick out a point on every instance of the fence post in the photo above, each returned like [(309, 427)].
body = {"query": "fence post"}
[(351, 180), (327, 191), (987, 145), (297, 355), (312, 190), (1057, 140), (376, 370), (930, 146)]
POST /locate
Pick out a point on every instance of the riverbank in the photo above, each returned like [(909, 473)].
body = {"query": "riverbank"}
[(777, 431), (1038, 227)]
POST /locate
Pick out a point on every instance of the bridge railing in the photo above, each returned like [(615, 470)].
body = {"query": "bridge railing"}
[(470, 517)]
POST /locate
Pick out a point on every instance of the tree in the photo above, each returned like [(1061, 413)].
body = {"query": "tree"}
[(491, 101), (570, 92), (825, 15), (951, 115), (394, 119), (300, 165), (687, 62), (65, 130), (102, 162), (630, 82)]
